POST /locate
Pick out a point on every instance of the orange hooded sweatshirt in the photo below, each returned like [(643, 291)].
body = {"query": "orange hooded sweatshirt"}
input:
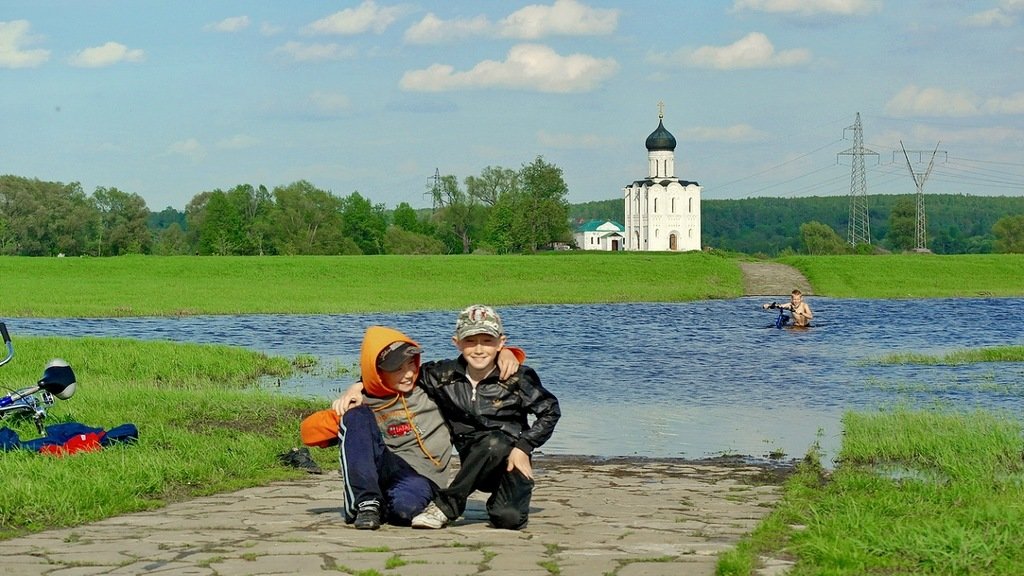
[(411, 424), (378, 338)]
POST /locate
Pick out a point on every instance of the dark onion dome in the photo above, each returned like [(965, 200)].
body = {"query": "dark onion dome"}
[(661, 139)]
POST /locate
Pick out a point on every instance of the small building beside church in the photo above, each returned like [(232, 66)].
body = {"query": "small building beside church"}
[(600, 235), (662, 211)]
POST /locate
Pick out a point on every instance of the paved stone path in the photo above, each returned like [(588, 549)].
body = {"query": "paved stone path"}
[(588, 518)]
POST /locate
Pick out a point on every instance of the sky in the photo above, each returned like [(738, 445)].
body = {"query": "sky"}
[(376, 96)]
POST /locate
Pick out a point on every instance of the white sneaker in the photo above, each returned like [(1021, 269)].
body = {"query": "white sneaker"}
[(431, 517)]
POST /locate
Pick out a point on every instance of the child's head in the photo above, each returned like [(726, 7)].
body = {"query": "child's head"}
[(479, 336), (796, 296), (389, 362), (397, 366)]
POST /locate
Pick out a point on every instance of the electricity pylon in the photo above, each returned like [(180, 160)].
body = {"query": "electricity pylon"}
[(858, 230), (921, 230)]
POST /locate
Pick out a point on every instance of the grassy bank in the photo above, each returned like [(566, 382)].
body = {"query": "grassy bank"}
[(913, 275), (918, 492), (153, 285), (203, 429)]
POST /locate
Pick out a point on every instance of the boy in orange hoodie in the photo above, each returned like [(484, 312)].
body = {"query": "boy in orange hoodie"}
[(395, 447)]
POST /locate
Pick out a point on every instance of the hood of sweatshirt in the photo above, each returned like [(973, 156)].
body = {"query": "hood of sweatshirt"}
[(376, 339)]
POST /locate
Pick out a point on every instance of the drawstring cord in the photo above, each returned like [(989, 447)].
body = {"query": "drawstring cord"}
[(412, 424)]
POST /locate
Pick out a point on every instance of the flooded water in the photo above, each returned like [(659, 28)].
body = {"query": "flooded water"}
[(684, 380)]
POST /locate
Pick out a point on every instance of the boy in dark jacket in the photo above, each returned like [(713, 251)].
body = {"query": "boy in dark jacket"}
[(395, 447), (488, 421)]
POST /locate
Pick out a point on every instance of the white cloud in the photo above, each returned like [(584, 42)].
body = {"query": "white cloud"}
[(329, 102), (367, 16), (314, 52), (527, 67), (914, 101), (574, 141), (1003, 15), (237, 142), (564, 17), (1010, 105), (13, 37), (268, 29), (230, 24), (433, 30), (190, 149), (989, 18), (810, 7), (734, 133), (106, 55), (752, 51)]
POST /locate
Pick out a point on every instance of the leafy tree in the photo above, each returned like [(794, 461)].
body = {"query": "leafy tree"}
[(46, 218), (398, 240), (171, 241), (195, 218), (819, 238), (158, 221), (253, 206), (123, 218), (222, 232), (458, 216), (493, 182), (1009, 233), (546, 209), (364, 223), (307, 220), (903, 225)]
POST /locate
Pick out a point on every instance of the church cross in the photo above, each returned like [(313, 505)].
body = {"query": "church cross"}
[(661, 109)]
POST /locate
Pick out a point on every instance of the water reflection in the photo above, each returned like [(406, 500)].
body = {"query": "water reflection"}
[(668, 380)]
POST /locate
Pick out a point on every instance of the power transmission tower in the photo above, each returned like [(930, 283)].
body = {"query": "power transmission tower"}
[(921, 231), (434, 190), (859, 229)]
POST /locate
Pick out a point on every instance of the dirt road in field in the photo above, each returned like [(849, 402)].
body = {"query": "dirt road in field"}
[(772, 279)]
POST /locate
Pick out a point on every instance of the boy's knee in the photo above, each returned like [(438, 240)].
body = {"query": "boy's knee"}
[(508, 518)]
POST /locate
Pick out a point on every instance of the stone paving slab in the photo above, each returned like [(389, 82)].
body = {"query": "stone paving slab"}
[(588, 517)]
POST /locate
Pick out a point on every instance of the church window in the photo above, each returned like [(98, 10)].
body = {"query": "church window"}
[(655, 205), (691, 206)]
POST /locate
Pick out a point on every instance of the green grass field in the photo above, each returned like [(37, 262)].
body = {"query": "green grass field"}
[(186, 285), (203, 425), (913, 275)]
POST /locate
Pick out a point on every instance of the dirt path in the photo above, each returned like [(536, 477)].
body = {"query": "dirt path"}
[(772, 279)]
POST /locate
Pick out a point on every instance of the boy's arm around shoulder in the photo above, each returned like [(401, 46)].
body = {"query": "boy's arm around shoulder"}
[(540, 402)]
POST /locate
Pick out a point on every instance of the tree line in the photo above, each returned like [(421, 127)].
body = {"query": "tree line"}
[(501, 210), (955, 223)]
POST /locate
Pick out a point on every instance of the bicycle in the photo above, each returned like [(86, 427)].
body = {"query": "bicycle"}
[(58, 381), (782, 319)]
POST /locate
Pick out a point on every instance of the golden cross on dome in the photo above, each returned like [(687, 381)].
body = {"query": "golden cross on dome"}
[(661, 109)]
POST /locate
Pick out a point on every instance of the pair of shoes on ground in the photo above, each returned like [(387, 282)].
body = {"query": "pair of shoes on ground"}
[(300, 458), (367, 515), (432, 517)]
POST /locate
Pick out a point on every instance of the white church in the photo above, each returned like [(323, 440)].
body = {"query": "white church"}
[(662, 211)]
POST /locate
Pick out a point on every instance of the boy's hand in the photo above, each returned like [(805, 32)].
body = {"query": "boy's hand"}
[(519, 460), (350, 399), (508, 364)]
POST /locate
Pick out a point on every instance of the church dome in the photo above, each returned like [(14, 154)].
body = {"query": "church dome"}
[(661, 139)]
